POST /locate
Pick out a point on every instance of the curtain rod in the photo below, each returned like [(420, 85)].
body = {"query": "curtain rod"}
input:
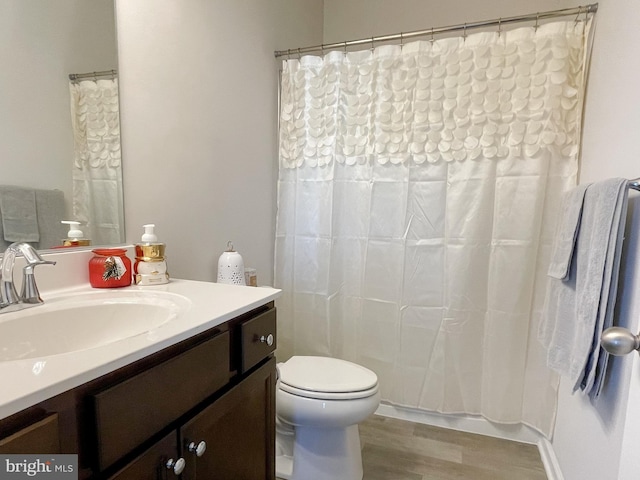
[(94, 75), (532, 17), (634, 184)]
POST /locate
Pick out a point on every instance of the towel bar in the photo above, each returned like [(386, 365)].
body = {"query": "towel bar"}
[(617, 340)]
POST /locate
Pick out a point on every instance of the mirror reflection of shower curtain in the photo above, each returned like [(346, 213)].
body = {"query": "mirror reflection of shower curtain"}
[(97, 167)]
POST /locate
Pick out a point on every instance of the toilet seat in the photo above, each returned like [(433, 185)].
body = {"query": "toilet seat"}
[(326, 378), (328, 395)]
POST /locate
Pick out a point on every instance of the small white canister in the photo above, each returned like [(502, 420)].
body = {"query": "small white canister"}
[(231, 267)]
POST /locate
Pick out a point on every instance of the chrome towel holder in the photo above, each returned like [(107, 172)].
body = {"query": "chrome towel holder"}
[(617, 340)]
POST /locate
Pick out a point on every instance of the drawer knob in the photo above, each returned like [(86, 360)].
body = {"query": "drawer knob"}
[(268, 339), (198, 449), (176, 465)]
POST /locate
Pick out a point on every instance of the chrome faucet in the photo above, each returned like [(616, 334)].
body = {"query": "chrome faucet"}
[(29, 296)]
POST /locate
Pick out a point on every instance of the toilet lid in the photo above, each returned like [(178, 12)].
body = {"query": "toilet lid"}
[(326, 375)]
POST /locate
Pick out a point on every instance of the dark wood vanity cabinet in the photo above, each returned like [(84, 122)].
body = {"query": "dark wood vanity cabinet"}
[(237, 429), (215, 389)]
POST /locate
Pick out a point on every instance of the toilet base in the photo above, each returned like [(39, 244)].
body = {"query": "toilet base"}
[(322, 454)]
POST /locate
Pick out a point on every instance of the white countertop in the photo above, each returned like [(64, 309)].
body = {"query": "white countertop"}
[(24, 383)]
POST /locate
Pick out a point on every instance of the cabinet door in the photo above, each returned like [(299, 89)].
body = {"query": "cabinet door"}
[(40, 437), (150, 465), (239, 431)]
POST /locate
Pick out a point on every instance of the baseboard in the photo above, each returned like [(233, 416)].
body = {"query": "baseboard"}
[(482, 426), (549, 460)]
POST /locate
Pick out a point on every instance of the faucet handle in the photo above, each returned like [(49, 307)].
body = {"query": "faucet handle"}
[(32, 265), (29, 292), (32, 257)]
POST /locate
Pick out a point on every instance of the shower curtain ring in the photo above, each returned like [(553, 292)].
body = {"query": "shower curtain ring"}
[(432, 39), (537, 25), (500, 27), (345, 48), (578, 15), (299, 54), (373, 47), (401, 40), (464, 32)]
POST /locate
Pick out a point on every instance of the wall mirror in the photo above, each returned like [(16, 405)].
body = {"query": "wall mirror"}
[(43, 42)]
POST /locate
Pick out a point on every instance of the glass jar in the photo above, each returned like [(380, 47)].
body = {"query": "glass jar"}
[(109, 268)]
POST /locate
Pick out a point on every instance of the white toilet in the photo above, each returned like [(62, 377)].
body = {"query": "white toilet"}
[(319, 403)]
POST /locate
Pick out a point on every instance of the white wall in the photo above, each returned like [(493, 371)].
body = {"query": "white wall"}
[(601, 442), (43, 42), (355, 19), (198, 110), (591, 442)]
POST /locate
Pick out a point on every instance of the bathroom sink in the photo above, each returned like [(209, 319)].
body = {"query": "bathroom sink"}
[(72, 323)]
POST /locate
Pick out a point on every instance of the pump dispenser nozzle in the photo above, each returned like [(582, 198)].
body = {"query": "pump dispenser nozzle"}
[(75, 237), (74, 231), (148, 236)]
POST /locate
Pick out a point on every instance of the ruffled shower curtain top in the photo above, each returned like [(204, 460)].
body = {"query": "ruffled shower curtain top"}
[(417, 195), (97, 169)]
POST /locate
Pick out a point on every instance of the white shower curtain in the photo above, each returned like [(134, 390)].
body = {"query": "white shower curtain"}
[(417, 193), (97, 169)]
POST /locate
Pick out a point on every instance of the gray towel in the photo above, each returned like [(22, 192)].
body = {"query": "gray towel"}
[(598, 358), (19, 217), (567, 232), (577, 307), (3, 243), (50, 212)]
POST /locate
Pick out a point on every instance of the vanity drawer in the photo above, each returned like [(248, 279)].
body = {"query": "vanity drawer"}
[(255, 335), (39, 437), (130, 412)]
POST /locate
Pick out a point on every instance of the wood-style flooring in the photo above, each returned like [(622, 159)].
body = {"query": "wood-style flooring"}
[(398, 450)]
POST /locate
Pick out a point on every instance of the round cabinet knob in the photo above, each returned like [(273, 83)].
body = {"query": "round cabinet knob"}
[(198, 449), (176, 465), (268, 339)]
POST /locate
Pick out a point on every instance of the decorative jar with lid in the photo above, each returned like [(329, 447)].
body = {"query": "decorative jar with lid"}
[(109, 268)]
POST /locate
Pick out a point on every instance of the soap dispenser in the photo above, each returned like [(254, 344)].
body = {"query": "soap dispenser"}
[(75, 237), (150, 267)]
